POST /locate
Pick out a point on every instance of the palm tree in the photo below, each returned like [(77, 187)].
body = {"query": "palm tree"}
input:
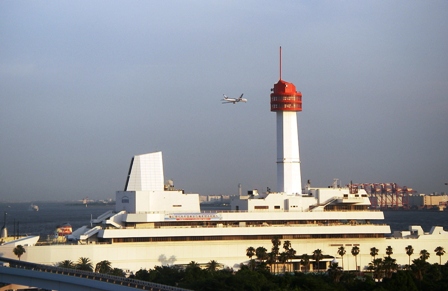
[(271, 259), (213, 266), (275, 250), (291, 253), (409, 251), (193, 271), (193, 265), (117, 272), (283, 258), (389, 251), (376, 266), (440, 252), (103, 267), (419, 267), (286, 247), (335, 272), (66, 264), (374, 252), (305, 261), (252, 264), (19, 251), (341, 252), (261, 254), (389, 265), (84, 264), (317, 256), (424, 255), (250, 252), (355, 253)]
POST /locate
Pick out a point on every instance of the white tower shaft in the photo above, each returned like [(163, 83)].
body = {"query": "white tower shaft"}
[(288, 158)]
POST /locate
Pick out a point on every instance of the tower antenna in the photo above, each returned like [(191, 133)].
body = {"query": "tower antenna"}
[(280, 62)]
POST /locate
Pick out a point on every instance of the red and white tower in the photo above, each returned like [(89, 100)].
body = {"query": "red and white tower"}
[(286, 102)]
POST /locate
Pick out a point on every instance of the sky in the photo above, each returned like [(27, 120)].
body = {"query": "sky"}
[(86, 85)]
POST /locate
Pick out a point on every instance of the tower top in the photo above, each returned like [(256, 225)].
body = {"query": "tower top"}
[(284, 96)]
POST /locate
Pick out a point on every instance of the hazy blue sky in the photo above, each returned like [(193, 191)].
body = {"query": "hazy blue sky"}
[(85, 85)]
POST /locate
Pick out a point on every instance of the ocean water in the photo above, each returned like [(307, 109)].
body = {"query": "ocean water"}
[(45, 221)]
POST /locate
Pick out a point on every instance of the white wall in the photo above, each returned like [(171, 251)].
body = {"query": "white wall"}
[(134, 256)]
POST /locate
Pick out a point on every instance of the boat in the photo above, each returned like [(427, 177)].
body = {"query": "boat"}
[(33, 207), (64, 229)]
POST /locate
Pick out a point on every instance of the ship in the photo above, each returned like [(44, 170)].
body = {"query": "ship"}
[(155, 224), (64, 229), (33, 207)]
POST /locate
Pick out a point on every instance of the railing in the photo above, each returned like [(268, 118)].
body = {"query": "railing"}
[(264, 211), (133, 283)]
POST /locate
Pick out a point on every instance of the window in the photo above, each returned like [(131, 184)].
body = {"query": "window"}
[(261, 207)]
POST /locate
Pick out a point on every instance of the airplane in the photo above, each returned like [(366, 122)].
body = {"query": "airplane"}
[(233, 100)]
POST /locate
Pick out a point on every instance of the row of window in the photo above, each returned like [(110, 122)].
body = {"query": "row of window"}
[(287, 105), (286, 98), (211, 223), (243, 237)]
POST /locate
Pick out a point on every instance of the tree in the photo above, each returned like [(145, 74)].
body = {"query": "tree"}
[(439, 252), (261, 254), (271, 259), (373, 253), (213, 266), (286, 254), (103, 267), (252, 264), (250, 252), (341, 252), (275, 250), (424, 255), (376, 266), (389, 251), (84, 264), (193, 265), (193, 272), (355, 253), (409, 251), (283, 258), (117, 272), (291, 253), (286, 245), (66, 264), (419, 267), (335, 272), (19, 251), (317, 256), (305, 261), (389, 266)]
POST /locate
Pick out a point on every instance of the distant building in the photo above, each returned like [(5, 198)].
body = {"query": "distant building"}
[(423, 201)]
